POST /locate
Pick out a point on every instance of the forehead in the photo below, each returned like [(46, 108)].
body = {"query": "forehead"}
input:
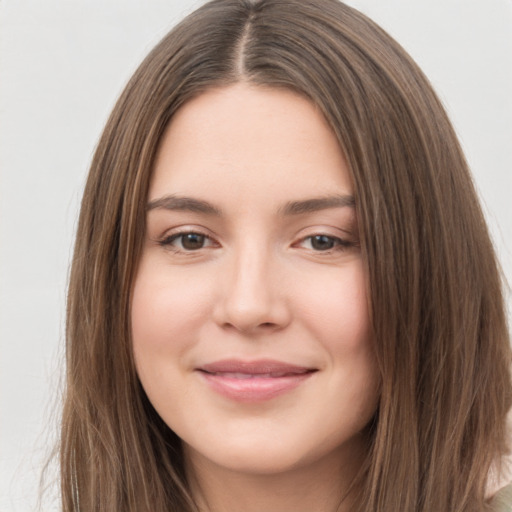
[(249, 140)]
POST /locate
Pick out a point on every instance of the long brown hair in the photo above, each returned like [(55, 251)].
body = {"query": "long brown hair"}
[(434, 287)]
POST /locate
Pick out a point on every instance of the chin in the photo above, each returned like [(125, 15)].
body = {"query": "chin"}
[(255, 460), (268, 456)]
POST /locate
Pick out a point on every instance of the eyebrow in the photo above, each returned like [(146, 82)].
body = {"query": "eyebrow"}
[(181, 203), (184, 203), (318, 203)]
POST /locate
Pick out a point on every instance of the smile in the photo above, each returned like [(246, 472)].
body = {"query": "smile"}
[(253, 381)]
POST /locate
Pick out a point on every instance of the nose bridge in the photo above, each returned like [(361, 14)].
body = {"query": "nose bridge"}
[(251, 295), (251, 273)]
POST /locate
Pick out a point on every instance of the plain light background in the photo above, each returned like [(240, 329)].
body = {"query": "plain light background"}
[(62, 65)]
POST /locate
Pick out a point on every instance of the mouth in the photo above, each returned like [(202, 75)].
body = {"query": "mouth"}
[(254, 381)]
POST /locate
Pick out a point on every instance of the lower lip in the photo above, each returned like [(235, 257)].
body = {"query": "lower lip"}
[(254, 389)]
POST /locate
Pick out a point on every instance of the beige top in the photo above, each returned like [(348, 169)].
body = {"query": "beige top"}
[(502, 501)]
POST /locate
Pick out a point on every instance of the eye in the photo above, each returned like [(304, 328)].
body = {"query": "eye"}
[(189, 241), (324, 243)]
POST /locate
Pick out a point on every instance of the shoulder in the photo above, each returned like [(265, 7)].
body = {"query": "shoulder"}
[(502, 500)]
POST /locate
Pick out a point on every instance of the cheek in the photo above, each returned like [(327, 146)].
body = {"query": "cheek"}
[(336, 308), (167, 310), (336, 313)]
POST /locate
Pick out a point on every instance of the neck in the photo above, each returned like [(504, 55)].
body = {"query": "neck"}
[(326, 485)]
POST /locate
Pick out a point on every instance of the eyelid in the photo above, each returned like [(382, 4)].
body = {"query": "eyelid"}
[(346, 233)]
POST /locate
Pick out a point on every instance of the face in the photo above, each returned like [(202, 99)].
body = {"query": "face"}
[(249, 310)]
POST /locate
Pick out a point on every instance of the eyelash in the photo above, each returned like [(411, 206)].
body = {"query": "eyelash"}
[(338, 244)]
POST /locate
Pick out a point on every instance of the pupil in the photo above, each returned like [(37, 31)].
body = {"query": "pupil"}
[(193, 241), (322, 242)]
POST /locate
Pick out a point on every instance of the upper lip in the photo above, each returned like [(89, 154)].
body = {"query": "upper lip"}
[(259, 367)]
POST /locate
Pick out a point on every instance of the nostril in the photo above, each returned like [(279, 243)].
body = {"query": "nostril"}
[(262, 327)]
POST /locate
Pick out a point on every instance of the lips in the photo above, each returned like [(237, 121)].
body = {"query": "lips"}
[(253, 381)]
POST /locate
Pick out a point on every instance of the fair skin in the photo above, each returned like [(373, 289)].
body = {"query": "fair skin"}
[(250, 321)]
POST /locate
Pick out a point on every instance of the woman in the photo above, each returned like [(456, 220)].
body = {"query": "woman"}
[(283, 294)]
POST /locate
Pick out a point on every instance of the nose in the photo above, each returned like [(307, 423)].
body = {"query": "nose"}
[(253, 298)]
